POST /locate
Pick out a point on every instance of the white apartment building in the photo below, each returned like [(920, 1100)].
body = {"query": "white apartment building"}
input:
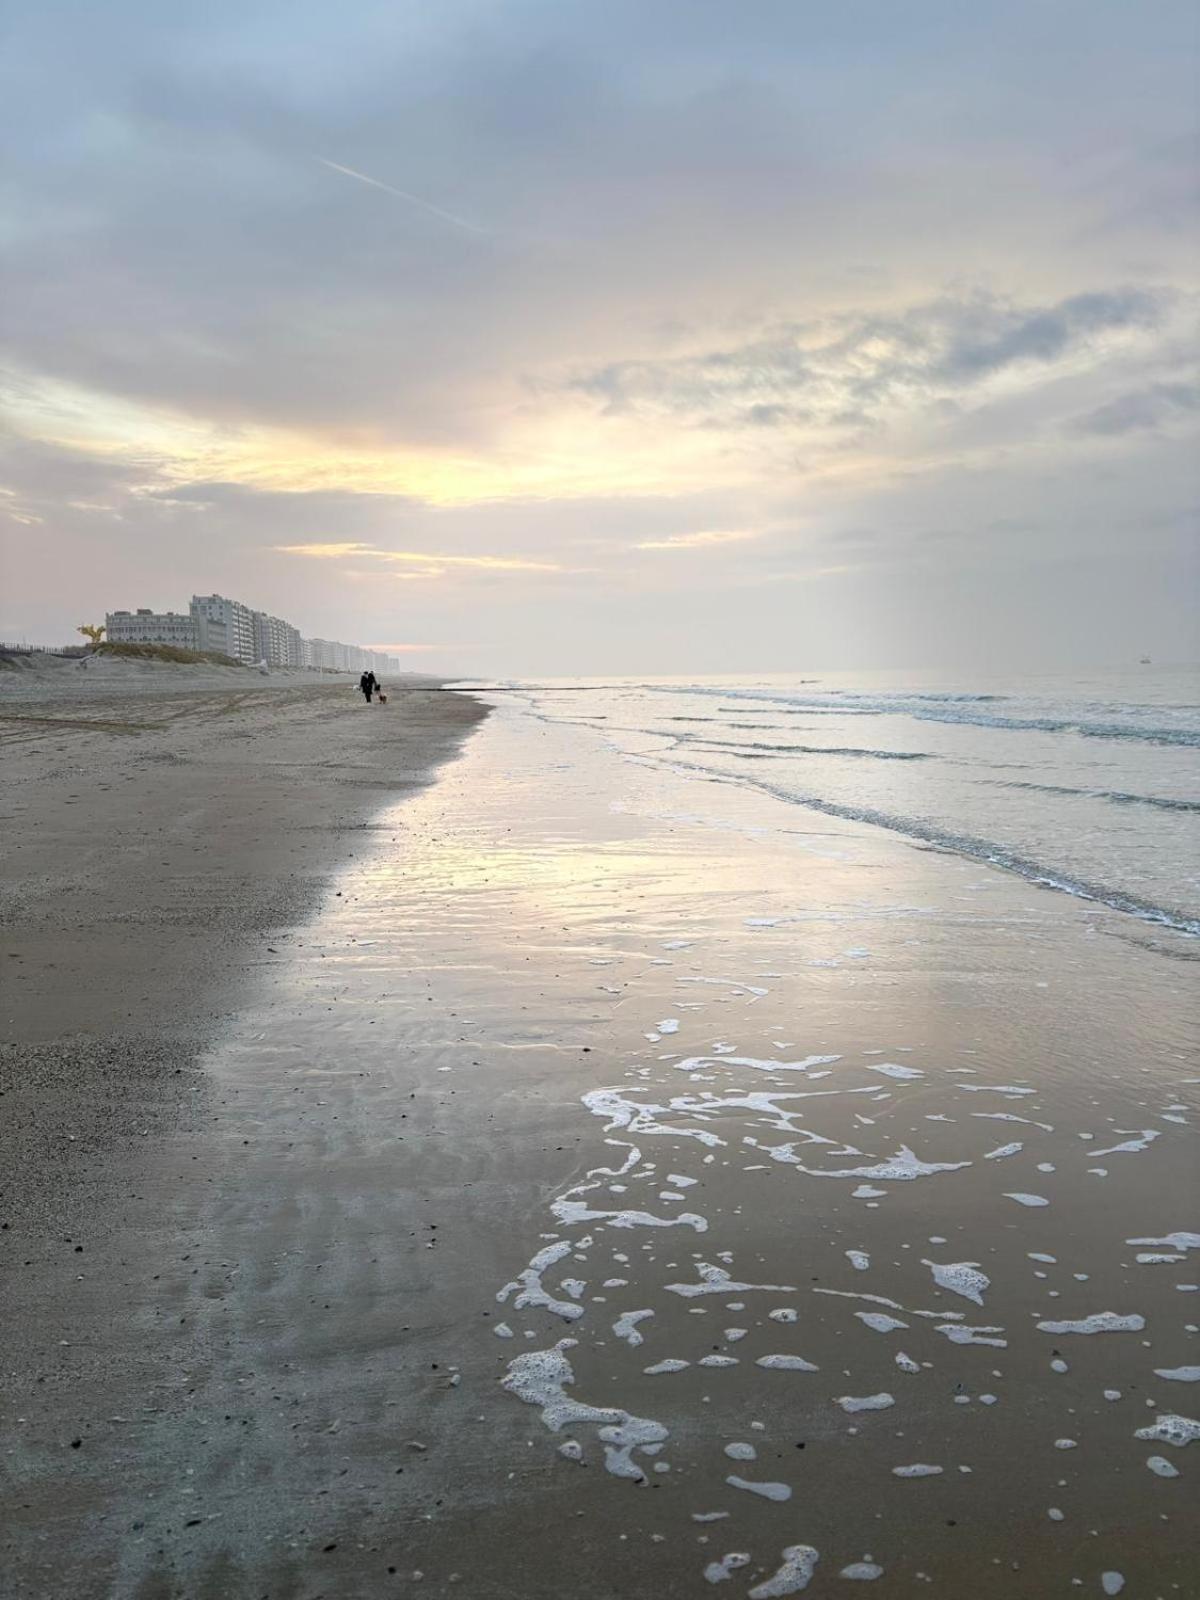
[(144, 626), (224, 625), (276, 642), (325, 655)]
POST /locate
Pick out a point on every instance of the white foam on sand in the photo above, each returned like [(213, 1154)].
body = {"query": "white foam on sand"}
[(858, 1259), (879, 1321), (625, 1327), (794, 1575), (767, 1490), (720, 1571), (918, 1469), (1008, 1116), (638, 1117), (715, 1280), (669, 1365), (1144, 1137), (994, 1088), (893, 1305), (758, 1063), (1172, 1241), (864, 1402), (1171, 1429), (570, 1212), (738, 1451), (728, 983), (1179, 1374), (906, 1363), (532, 1292), (1028, 1199), (1004, 1150), (864, 1571), (786, 1364), (903, 1167), (895, 1069), (542, 1377), (784, 1314), (1161, 1467), (717, 1361), (960, 1277), (957, 1333), (1098, 1322)]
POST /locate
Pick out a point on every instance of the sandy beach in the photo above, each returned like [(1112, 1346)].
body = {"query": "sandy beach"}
[(592, 1189), (166, 831)]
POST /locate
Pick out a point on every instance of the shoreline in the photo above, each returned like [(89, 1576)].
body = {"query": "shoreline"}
[(319, 1380)]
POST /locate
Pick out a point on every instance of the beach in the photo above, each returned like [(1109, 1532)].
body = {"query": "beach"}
[(490, 1157)]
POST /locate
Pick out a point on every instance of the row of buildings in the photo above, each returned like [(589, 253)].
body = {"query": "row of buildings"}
[(213, 622)]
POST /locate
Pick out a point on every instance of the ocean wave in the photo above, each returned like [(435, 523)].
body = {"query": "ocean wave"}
[(954, 709), (989, 851), (1114, 796), (1186, 738), (756, 747)]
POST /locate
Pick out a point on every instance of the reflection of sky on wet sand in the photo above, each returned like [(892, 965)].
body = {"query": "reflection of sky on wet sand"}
[(877, 1046)]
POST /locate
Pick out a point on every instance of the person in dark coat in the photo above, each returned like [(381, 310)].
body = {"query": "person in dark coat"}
[(368, 685)]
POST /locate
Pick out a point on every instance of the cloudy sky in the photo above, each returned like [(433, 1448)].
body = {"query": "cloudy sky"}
[(554, 336)]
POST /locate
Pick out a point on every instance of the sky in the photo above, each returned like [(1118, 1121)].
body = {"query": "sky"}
[(643, 336)]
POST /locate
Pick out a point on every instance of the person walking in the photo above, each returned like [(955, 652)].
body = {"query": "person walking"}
[(368, 685)]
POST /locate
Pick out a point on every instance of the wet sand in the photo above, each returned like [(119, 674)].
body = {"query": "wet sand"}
[(568, 1046), (166, 831)]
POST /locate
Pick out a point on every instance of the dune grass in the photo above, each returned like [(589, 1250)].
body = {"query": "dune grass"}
[(166, 652)]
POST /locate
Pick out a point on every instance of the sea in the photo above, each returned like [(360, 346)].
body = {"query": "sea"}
[(1088, 784)]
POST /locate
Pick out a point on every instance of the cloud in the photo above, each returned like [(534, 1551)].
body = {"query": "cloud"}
[(1141, 411), (696, 541), (431, 564), (404, 649), (857, 369)]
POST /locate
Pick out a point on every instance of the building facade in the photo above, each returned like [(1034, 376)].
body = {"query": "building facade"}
[(276, 642), (216, 623), (224, 625), (144, 626)]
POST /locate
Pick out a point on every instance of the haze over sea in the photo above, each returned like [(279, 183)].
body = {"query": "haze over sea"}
[(1084, 783)]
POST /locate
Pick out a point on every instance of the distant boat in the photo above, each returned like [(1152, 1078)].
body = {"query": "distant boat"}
[(1144, 661)]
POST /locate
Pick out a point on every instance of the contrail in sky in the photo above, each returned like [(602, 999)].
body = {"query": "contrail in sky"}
[(401, 194)]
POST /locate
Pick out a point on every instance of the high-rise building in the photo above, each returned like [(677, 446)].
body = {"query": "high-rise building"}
[(276, 642), (224, 625), (144, 626)]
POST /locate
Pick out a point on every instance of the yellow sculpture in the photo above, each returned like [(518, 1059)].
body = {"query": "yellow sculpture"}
[(93, 632)]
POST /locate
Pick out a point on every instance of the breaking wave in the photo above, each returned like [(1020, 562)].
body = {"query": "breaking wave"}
[(949, 708), (985, 850), (1115, 796), (754, 748)]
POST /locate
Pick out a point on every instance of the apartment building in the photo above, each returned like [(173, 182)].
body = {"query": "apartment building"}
[(144, 626), (224, 625), (217, 623), (276, 642)]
